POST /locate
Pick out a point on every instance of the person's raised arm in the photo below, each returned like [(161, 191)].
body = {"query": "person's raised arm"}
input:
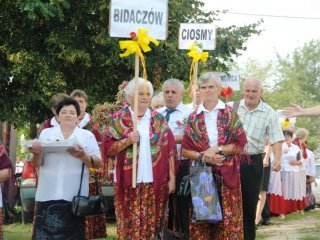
[(296, 111)]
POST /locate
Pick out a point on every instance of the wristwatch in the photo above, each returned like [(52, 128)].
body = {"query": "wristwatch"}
[(220, 150)]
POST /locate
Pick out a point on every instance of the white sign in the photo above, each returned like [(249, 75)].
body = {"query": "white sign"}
[(202, 33), (128, 16), (232, 79)]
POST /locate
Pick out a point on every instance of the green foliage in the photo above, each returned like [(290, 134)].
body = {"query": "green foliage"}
[(59, 45), (299, 83)]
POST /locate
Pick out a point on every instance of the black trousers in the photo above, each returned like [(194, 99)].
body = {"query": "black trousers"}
[(251, 177), (182, 203)]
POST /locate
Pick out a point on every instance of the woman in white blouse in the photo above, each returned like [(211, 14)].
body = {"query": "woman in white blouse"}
[(59, 175), (141, 210)]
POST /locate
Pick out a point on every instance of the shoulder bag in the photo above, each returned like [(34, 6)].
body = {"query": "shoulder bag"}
[(88, 206)]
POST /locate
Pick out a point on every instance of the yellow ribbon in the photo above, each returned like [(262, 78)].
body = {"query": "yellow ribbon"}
[(196, 54), (138, 45)]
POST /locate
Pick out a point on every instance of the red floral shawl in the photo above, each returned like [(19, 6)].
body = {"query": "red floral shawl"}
[(230, 131), (302, 146), (162, 145)]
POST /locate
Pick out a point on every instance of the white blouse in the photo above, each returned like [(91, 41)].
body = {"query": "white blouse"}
[(144, 171), (84, 120), (289, 154), (210, 119), (59, 176)]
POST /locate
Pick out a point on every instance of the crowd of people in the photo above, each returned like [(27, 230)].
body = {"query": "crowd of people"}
[(257, 165)]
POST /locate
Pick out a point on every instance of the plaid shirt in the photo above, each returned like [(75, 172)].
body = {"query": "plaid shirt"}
[(260, 123)]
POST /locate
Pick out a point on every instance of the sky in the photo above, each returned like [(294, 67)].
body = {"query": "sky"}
[(281, 35)]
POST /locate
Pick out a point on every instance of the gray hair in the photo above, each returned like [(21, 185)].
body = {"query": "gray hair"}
[(255, 80), (204, 78), (174, 81), (129, 89), (157, 100)]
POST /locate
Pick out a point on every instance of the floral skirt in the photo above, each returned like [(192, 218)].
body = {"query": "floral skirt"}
[(136, 218), (1, 224), (54, 220), (95, 225)]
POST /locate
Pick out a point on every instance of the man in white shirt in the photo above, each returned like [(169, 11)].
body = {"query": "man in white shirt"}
[(176, 113)]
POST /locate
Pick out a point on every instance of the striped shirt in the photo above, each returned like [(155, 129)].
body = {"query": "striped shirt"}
[(260, 123)]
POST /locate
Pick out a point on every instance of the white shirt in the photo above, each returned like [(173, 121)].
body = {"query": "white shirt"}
[(210, 119), (84, 121), (144, 172), (54, 122), (59, 176), (1, 204), (311, 166), (177, 121), (289, 154)]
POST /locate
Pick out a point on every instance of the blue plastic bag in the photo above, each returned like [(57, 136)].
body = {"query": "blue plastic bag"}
[(205, 200)]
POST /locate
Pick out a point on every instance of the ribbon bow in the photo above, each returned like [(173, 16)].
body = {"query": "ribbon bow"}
[(138, 45), (197, 54)]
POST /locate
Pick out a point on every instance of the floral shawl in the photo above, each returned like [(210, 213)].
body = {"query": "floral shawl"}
[(230, 131), (162, 145)]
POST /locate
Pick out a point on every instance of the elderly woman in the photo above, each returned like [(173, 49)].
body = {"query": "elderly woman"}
[(59, 175), (141, 211), (302, 163), (214, 134)]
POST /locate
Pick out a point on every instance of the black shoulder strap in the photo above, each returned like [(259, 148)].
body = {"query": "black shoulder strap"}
[(81, 179)]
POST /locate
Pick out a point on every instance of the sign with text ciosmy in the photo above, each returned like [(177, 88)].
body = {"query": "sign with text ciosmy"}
[(128, 16), (201, 32)]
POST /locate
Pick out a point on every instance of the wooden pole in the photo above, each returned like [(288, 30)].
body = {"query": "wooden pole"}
[(135, 121), (195, 80)]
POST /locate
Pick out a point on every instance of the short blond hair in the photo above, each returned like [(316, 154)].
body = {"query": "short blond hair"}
[(301, 133)]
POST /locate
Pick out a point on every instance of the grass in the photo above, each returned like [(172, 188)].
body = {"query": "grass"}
[(18, 231)]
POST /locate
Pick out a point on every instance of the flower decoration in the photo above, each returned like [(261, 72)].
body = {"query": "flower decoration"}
[(197, 54), (95, 175), (286, 123), (179, 123), (226, 93), (138, 45)]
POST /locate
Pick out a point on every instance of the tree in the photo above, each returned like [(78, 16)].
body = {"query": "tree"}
[(298, 81), (59, 45)]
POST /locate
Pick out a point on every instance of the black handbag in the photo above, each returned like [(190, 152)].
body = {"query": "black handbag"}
[(184, 189), (83, 206), (167, 234)]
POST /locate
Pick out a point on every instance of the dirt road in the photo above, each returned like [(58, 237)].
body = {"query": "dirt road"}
[(300, 227)]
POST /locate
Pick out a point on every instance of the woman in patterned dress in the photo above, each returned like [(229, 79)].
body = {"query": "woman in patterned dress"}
[(5, 173), (141, 211), (215, 131)]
